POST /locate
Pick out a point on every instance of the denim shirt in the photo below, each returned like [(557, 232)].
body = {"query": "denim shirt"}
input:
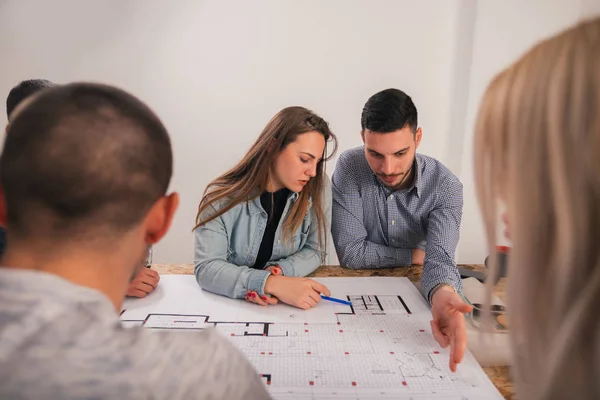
[(226, 247)]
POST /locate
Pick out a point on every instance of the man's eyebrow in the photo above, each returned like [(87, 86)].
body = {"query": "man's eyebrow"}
[(402, 150), (399, 151)]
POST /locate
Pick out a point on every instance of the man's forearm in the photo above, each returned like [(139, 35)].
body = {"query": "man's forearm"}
[(364, 254)]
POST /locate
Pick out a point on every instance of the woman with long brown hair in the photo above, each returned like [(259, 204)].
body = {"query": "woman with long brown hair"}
[(263, 225), (537, 149)]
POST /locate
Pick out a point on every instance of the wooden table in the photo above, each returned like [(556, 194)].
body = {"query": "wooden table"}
[(499, 376)]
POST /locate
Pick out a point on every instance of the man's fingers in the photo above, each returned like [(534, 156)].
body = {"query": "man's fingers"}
[(142, 286), (146, 287), (148, 277), (152, 273), (459, 305), (134, 292), (452, 365), (462, 307), (453, 354), (155, 274), (438, 335), (320, 288), (150, 280), (460, 339)]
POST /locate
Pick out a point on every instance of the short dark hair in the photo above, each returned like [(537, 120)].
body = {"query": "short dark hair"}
[(83, 156), (23, 90), (389, 111)]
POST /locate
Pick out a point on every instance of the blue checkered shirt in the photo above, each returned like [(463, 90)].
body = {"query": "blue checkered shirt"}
[(373, 227)]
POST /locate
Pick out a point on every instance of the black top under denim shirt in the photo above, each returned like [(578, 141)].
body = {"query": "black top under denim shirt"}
[(273, 204)]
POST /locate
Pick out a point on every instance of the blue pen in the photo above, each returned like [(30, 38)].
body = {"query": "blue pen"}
[(336, 300)]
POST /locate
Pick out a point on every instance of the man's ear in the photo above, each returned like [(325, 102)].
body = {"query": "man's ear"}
[(160, 216), (362, 135), (418, 136)]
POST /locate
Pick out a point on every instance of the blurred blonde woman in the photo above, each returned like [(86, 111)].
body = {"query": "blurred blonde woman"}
[(537, 148)]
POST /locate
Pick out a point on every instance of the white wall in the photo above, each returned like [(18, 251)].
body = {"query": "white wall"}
[(504, 30), (216, 71)]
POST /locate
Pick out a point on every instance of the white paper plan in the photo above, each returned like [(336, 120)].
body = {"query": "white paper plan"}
[(381, 347)]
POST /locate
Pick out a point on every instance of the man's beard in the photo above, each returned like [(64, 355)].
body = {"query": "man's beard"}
[(406, 175)]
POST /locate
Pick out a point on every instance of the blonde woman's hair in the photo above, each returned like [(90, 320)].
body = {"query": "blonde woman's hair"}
[(537, 148)]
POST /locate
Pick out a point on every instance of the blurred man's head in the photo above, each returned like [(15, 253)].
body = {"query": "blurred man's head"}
[(86, 166), (22, 91)]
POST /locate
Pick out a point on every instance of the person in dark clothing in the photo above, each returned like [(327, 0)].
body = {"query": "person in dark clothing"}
[(15, 97)]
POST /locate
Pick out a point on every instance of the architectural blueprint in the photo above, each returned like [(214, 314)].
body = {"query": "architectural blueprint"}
[(380, 347)]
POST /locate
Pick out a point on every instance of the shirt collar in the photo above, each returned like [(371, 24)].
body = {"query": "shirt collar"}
[(256, 207)]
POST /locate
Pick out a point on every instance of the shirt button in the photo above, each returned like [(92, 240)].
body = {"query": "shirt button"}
[(393, 222), (391, 197), (279, 242)]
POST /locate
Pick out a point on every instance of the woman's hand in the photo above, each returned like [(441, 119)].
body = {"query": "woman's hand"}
[(265, 300), (299, 292)]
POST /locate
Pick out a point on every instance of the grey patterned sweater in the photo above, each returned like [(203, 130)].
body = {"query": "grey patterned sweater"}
[(63, 341)]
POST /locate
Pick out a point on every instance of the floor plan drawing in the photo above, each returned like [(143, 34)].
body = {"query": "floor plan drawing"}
[(380, 347)]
